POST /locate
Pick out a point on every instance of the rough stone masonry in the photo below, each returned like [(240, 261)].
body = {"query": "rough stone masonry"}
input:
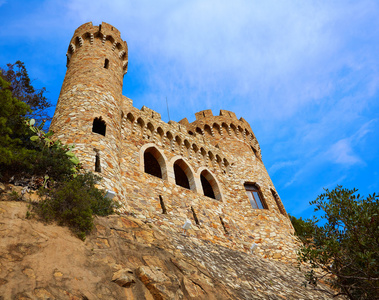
[(209, 171)]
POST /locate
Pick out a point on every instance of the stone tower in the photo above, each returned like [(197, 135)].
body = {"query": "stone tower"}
[(88, 112), (210, 171)]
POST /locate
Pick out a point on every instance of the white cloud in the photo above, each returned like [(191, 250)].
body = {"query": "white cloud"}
[(341, 152)]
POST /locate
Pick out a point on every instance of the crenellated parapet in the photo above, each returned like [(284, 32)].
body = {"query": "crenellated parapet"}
[(147, 125), (225, 125), (104, 34)]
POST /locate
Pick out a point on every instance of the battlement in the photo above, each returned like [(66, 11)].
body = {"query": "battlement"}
[(105, 28), (104, 35), (151, 113), (226, 124), (229, 116)]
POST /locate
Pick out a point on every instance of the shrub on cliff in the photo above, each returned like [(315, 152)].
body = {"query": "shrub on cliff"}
[(344, 248), (74, 202)]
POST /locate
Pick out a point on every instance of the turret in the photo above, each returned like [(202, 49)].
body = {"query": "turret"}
[(225, 131), (88, 112)]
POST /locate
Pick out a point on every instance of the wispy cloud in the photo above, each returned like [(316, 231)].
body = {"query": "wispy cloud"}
[(279, 165), (341, 152)]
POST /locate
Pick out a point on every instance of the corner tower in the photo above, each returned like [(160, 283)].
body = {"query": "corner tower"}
[(88, 112)]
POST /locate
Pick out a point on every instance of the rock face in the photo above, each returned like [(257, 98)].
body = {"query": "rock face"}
[(126, 258)]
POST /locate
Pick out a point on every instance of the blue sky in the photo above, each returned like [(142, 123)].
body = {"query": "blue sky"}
[(304, 74)]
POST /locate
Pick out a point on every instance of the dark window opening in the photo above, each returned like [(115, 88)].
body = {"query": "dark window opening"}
[(99, 126), (190, 132), (164, 210), (97, 163), (255, 196), (106, 63), (152, 165), (195, 216), (181, 177), (207, 187)]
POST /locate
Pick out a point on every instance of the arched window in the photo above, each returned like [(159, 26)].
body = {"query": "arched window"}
[(207, 187), (209, 184), (184, 175), (255, 196), (154, 163), (99, 126), (181, 176)]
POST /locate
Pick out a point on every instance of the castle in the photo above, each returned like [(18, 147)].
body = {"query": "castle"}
[(209, 171)]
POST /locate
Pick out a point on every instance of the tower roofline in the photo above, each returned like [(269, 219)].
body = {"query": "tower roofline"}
[(108, 34)]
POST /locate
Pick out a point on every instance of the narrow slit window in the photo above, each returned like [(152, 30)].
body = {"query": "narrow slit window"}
[(163, 206), (106, 63), (97, 163), (99, 126), (195, 216), (223, 225)]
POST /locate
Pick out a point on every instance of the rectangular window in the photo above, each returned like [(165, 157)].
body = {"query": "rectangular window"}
[(255, 198), (252, 200)]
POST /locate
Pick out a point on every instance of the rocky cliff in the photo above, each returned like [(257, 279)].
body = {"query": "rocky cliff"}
[(129, 258)]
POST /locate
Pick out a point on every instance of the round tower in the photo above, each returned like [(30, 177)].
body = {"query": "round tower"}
[(88, 112)]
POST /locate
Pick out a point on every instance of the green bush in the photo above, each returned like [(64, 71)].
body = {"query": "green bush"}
[(74, 202)]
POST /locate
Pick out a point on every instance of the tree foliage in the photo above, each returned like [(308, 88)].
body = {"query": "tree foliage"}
[(22, 89), (342, 246), (13, 131)]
